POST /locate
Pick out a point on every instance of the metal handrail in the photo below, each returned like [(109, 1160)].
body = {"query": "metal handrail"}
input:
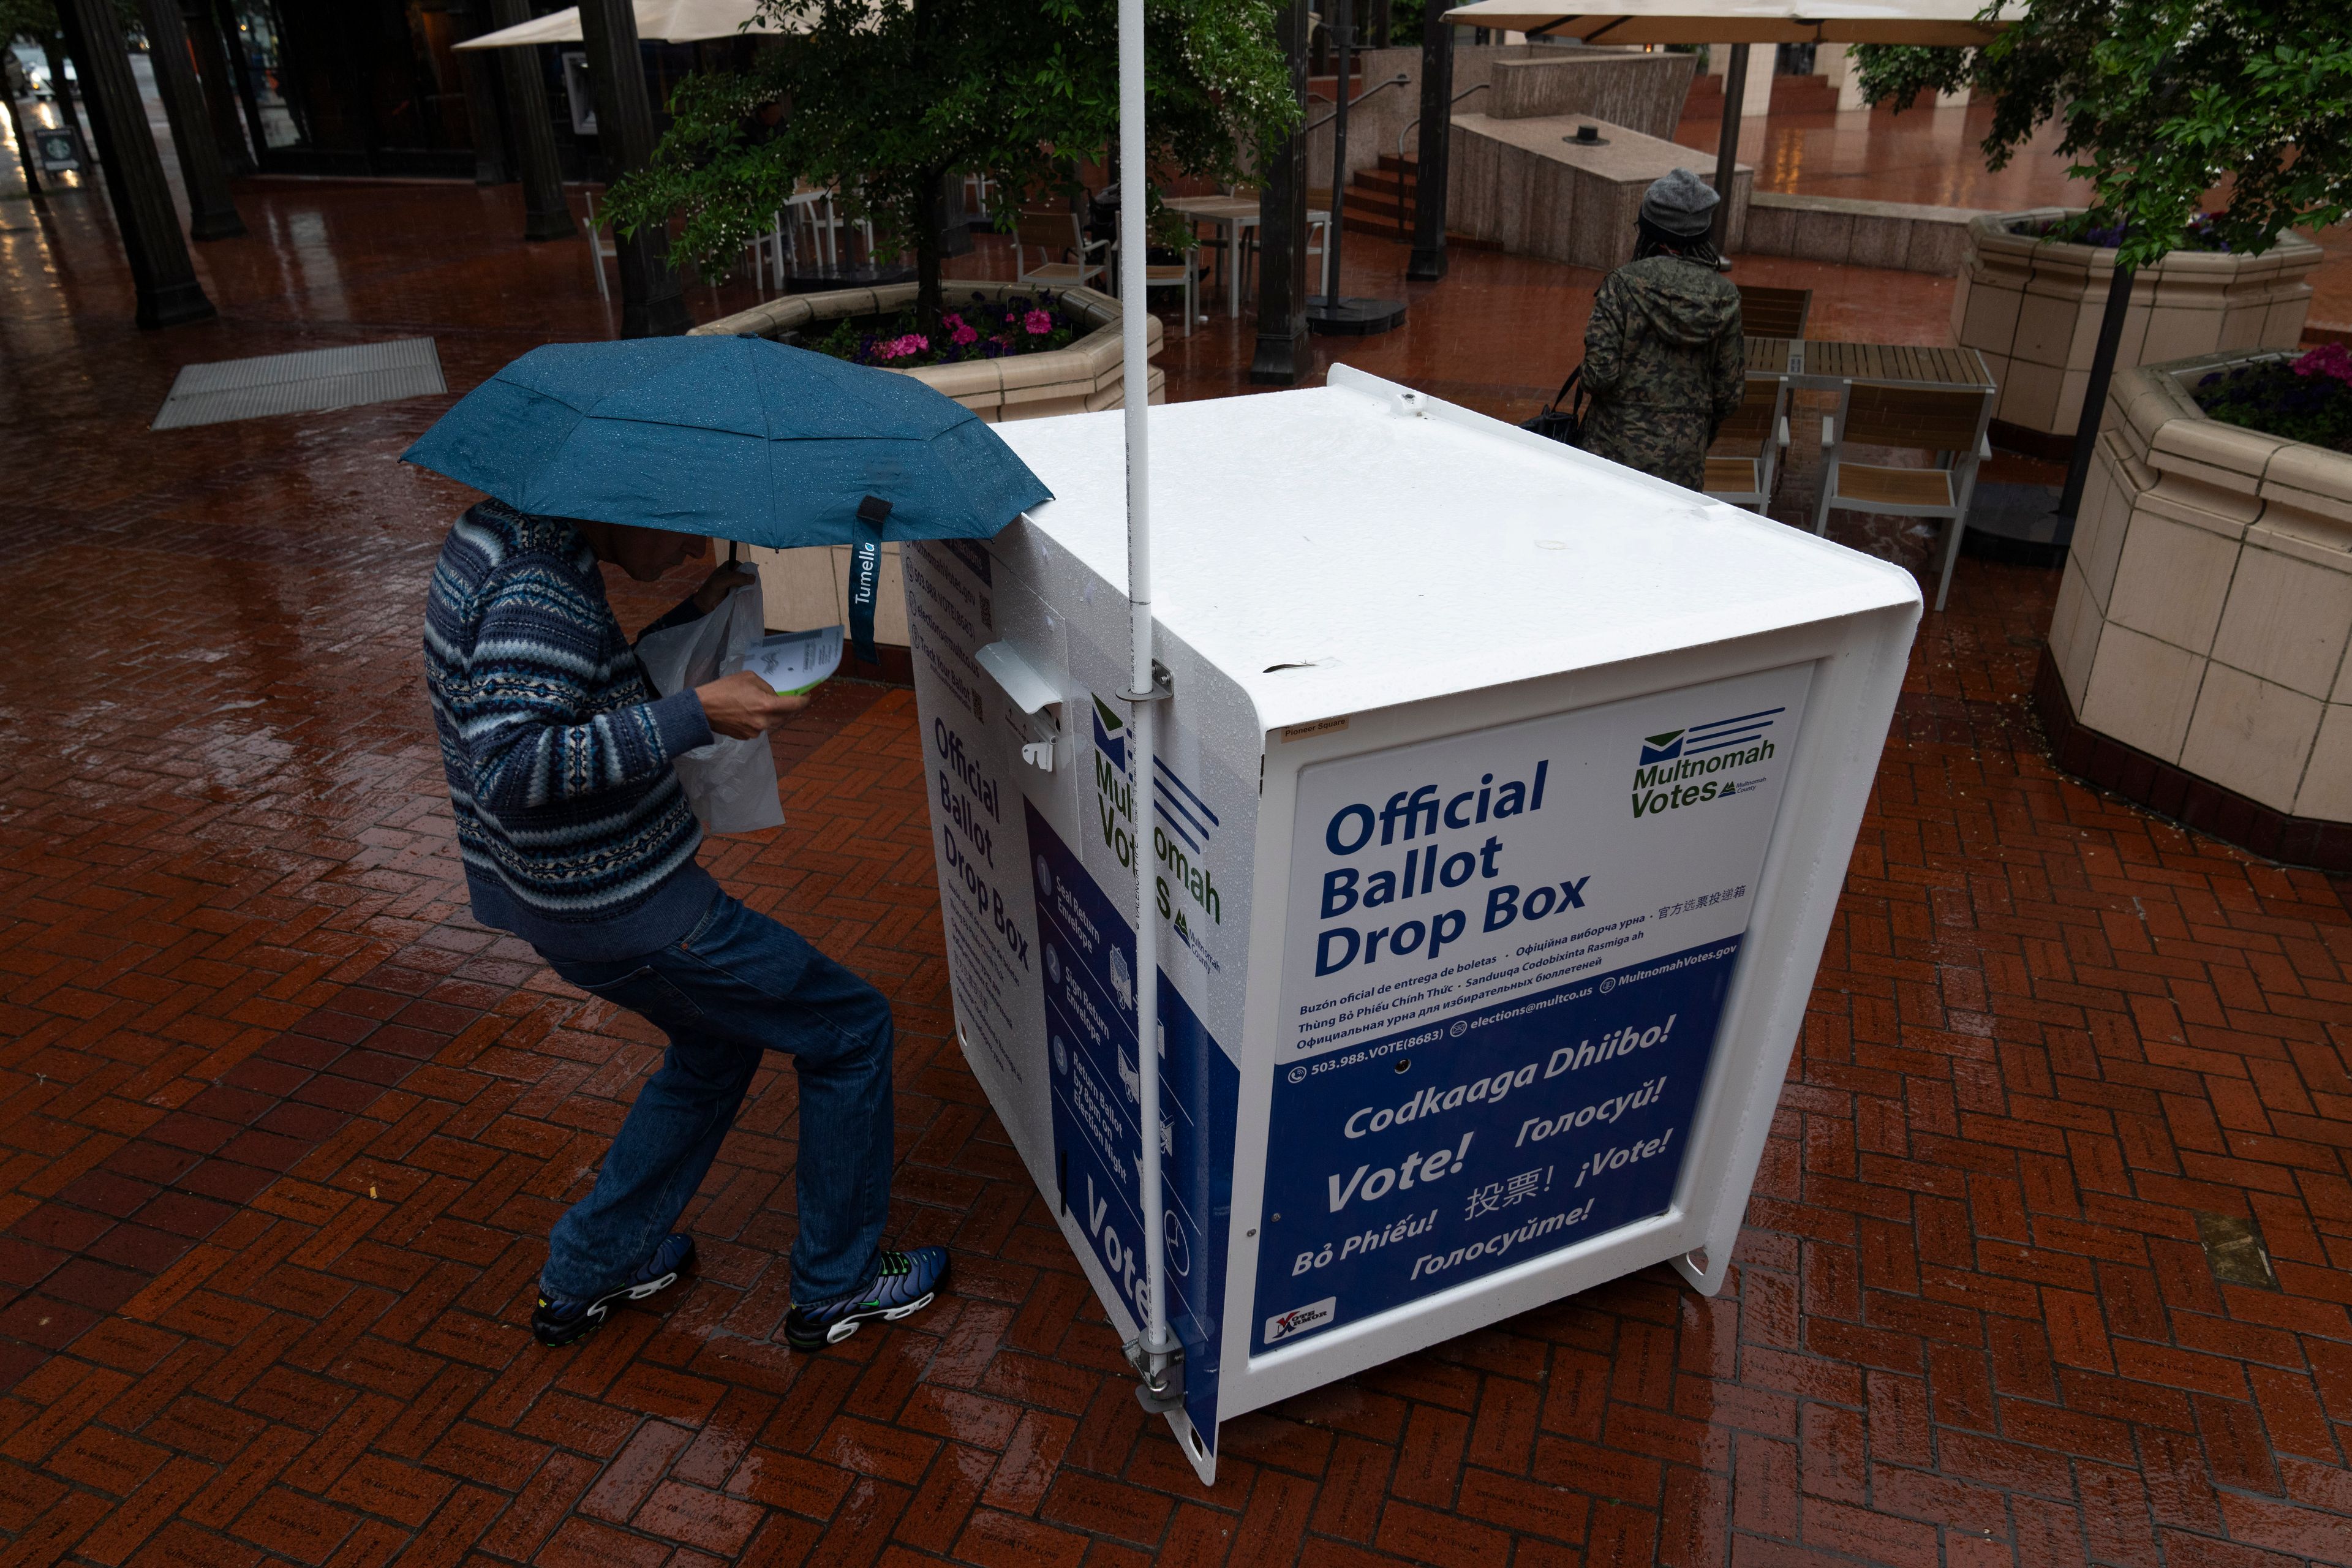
[(1398, 79), (1416, 118)]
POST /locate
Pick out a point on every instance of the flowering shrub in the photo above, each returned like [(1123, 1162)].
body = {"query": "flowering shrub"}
[(984, 329), (2077, 228), (2308, 398), (2330, 360)]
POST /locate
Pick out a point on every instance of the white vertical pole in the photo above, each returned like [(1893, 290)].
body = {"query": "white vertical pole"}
[(1135, 382)]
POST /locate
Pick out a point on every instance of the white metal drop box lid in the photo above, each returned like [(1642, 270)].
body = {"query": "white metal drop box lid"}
[(1502, 806)]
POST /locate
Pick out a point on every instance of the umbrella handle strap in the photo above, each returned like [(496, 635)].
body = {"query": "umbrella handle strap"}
[(865, 576)]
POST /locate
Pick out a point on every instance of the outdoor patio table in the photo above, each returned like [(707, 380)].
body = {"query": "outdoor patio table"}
[(1233, 213), (1817, 363), (1769, 357)]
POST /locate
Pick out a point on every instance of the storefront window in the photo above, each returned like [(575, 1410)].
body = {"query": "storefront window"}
[(256, 42)]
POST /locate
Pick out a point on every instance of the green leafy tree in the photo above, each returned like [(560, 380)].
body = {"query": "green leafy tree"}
[(33, 19), (887, 100), (2162, 100), (37, 20)]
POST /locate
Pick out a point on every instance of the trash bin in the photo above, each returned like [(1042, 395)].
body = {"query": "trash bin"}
[(1503, 801)]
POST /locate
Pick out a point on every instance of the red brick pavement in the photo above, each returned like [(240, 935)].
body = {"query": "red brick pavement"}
[(283, 1131)]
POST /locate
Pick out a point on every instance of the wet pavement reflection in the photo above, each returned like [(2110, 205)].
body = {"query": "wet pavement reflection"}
[(283, 1131)]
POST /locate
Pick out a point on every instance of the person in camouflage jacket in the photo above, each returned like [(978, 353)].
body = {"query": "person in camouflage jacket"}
[(1663, 360)]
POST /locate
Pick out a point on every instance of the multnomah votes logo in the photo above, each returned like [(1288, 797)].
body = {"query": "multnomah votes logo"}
[(1682, 767), (1110, 734), (1183, 825)]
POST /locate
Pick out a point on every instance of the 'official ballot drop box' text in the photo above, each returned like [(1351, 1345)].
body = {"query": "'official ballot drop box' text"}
[(1501, 809)]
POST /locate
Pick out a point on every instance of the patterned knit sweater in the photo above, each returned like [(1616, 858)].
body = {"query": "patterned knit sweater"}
[(574, 832)]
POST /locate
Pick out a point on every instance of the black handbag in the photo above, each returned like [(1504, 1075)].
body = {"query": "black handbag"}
[(1564, 425)]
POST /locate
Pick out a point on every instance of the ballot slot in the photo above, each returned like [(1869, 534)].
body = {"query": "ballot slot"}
[(1035, 698)]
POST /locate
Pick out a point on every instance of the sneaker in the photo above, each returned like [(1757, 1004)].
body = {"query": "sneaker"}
[(562, 1319), (904, 1284)]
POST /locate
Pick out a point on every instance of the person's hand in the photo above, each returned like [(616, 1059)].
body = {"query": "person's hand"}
[(742, 705), (729, 576)]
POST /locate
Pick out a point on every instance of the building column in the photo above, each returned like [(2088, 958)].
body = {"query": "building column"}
[(1757, 101), (212, 212), (1282, 352), (1434, 159), (491, 164), (220, 87), (9, 80), (240, 77), (651, 303), (544, 214), (161, 271)]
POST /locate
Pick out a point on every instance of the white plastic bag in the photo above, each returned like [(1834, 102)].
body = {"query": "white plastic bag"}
[(730, 785)]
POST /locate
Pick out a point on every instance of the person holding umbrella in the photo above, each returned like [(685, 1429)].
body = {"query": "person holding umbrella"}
[(1664, 361), (571, 822)]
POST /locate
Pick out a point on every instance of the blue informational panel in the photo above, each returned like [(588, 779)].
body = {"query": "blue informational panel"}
[(1507, 958), (1425, 1157), (1087, 957)]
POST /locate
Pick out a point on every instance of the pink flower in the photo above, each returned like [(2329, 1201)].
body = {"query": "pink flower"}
[(963, 335), (902, 348), (1038, 322), (2330, 360)]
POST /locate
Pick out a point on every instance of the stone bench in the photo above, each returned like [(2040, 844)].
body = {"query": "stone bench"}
[(1903, 236)]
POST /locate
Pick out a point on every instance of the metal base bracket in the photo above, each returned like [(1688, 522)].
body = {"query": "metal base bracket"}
[(1165, 1394), (1163, 687), (1354, 316)]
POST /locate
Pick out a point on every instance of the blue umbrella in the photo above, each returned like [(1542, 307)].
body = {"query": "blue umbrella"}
[(736, 438)]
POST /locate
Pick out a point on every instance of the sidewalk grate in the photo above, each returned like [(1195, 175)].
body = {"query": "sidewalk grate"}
[(304, 383)]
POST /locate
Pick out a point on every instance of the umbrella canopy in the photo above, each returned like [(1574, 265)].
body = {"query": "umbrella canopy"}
[(1945, 22), (658, 21), (737, 437)]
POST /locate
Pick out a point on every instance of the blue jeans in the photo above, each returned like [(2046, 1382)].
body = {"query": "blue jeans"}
[(737, 985)]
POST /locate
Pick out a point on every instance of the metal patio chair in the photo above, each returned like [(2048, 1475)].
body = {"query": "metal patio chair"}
[(1947, 421), (1773, 312), (1743, 466), (1055, 231)]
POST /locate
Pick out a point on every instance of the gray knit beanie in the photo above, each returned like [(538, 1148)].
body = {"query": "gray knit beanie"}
[(1679, 204)]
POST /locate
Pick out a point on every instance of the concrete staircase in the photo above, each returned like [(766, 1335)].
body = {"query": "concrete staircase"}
[(1380, 201)]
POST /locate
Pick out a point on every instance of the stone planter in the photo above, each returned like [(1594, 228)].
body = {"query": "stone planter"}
[(811, 587), (2032, 308), (2196, 658)]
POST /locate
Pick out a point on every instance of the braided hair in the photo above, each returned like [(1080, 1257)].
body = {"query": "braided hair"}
[(1651, 240)]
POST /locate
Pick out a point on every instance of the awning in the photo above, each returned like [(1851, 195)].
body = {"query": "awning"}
[(658, 21)]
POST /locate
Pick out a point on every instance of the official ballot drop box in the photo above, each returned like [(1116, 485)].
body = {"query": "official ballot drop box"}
[(1502, 805)]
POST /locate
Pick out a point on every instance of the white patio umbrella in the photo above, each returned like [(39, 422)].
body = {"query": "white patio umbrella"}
[(1741, 23), (1946, 21), (658, 21)]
